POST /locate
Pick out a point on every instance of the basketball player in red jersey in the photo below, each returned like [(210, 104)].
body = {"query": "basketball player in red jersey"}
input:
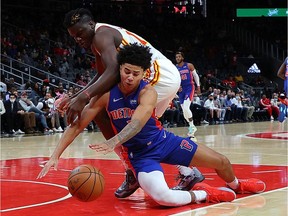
[(104, 40)]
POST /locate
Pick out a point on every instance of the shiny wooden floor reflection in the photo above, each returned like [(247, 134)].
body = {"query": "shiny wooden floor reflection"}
[(259, 143)]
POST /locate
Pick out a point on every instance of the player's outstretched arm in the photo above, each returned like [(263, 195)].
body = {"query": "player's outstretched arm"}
[(89, 112)]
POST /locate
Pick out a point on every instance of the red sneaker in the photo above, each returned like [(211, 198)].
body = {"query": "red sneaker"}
[(250, 186), (216, 195)]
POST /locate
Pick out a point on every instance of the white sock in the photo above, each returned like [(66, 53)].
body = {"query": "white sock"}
[(234, 184), (200, 195), (185, 170)]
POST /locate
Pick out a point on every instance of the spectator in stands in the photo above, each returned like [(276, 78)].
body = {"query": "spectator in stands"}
[(209, 105), (29, 106), (265, 104), (275, 100), (3, 85), (219, 105), (28, 118), (86, 64), (171, 116), (53, 114), (199, 111), (2, 112), (80, 80), (47, 62), (12, 116), (229, 83), (87, 76), (229, 106), (78, 63), (242, 110), (246, 101), (11, 83), (208, 92), (64, 67), (239, 80), (237, 112)]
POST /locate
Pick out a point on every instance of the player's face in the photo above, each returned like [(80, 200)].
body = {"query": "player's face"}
[(131, 75), (179, 58), (82, 33)]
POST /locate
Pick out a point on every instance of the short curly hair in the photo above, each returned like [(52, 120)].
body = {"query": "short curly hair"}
[(135, 54), (77, 15)]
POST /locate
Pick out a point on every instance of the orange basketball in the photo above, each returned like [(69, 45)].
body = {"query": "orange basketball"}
[(86, 183)]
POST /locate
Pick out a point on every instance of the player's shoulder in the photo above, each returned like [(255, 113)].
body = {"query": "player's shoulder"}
[(148, 89)]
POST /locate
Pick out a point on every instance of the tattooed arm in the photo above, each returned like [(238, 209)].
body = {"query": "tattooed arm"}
[(147, 103)]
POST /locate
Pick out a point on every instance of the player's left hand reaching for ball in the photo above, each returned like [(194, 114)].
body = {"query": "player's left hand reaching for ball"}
[(101, 147), (76, 106), (53, 162)]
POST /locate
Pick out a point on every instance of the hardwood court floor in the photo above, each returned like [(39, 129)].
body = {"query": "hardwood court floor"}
[(255, 149)]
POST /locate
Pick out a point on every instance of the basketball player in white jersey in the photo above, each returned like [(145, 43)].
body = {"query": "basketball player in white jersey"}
[(104, 40)]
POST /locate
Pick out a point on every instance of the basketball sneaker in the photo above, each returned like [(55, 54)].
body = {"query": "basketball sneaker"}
[(282, 112), (186, 183), (128, 187), (216, 194), (250, 186), (191, 131)]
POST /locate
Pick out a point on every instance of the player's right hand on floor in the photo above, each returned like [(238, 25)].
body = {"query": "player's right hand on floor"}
[(47, 166)]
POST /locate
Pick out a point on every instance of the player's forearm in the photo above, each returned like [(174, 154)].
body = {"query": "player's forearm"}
[(196, 78), (105, 82), (129, 131), (66, 139), (93, 80)]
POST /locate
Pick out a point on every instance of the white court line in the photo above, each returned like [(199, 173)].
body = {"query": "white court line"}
[(232, 203), (249, 137), (268, 171), (38, 204)]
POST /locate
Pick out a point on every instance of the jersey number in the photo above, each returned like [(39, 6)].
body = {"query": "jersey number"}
[(183, 76)]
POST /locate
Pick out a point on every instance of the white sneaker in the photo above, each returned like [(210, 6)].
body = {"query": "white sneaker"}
[(272, 118), (51, 131), (204, 122), (191, 131), (19, 132), (60, 129)]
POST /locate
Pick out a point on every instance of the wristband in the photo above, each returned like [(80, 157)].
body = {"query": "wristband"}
[(87, 94)]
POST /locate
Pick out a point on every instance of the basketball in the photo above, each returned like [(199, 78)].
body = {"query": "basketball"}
[(86, 183)]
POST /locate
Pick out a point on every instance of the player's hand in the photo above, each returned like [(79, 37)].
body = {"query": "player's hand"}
[(101, 147), (51, 163), (75, 107), (63, 105)]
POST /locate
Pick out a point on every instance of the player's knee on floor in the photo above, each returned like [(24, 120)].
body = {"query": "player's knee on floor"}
[(224, 162)]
